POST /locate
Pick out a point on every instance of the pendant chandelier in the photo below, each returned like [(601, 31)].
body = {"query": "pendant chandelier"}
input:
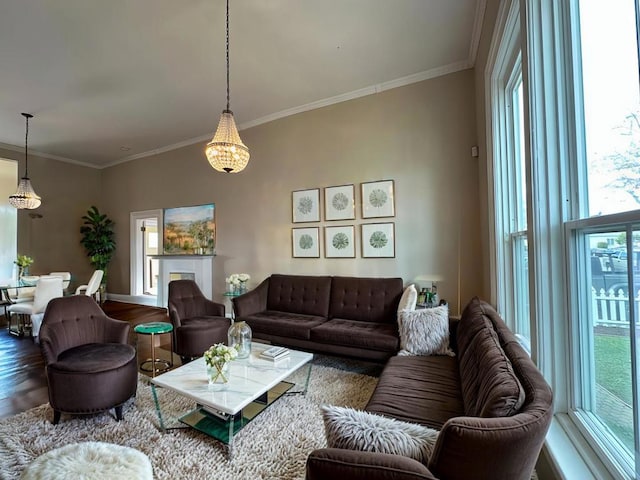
[(226, 152), (25, 196)]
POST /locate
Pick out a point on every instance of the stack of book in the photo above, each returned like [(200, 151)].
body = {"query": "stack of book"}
[(275, 353)]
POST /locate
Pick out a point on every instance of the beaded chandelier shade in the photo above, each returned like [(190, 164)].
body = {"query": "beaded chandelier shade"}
[(25, 197), (226, 152)]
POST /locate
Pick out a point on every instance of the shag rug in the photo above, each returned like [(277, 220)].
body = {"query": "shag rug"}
[(275, 445)]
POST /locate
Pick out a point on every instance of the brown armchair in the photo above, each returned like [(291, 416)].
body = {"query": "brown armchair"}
[(90, 366), (197, 322)]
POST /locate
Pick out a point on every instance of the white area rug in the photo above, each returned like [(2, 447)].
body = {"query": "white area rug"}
[(273, 446)]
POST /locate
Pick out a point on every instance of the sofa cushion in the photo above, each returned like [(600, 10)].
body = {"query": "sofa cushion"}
[(357, 430), (365, 299), (423, 390), (283, 324), (425, 332), (308, 295), (94, 357), (352, 333), (490, 387)]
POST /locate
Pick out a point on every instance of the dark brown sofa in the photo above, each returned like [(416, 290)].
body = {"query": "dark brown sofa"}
[(491, 404), (351, 316)]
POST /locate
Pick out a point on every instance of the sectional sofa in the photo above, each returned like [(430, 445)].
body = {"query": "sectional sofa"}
[(489, 402)]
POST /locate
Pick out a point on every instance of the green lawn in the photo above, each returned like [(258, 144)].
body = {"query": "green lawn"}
[(613, 372), (613, 365)]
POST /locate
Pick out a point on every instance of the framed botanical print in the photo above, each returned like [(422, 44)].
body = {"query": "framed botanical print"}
[(378, 199), (339, 242), (378, 240), (306, 242), (306, 205), (339, 203)]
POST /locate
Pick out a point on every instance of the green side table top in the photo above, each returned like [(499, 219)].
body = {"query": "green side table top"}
[(153, 327)]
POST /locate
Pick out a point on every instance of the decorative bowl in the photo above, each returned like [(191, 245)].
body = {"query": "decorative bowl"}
[(30, 280)]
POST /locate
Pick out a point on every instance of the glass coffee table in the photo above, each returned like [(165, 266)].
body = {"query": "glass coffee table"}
[(254, 384)]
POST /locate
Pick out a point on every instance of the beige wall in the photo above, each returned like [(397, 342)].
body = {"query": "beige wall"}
[(67, 191), (419, 135)]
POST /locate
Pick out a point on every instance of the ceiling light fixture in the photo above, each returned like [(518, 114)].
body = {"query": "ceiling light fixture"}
[(226, 152), (25, 196)]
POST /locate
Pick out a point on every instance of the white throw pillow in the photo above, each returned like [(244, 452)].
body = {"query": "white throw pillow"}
[(425, 332), (408, 300), (367, 432)]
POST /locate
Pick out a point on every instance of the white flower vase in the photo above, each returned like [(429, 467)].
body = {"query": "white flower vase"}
[(218, 375)]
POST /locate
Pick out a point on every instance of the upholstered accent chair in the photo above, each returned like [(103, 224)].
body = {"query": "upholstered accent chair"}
[(197, 321), (90, 366)]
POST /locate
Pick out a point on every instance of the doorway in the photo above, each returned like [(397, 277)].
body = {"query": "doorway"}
[(146, 243)]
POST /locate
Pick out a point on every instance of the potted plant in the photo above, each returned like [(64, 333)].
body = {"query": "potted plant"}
[(98, 240)]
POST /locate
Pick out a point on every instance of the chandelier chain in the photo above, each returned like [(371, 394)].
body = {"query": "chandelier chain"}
[(26, 150), (228, 95)]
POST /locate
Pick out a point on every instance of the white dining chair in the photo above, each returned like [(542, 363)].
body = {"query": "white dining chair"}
[(48, 287), (92, 287), (66, 278)]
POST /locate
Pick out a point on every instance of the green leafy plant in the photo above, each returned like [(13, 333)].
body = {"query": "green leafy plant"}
[(98, 239)]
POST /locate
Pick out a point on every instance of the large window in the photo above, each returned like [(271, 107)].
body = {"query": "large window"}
[(572, 163), (603, 241), (510, 191)]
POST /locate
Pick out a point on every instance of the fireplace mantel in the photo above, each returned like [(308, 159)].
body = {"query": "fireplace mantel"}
[(200, 266)]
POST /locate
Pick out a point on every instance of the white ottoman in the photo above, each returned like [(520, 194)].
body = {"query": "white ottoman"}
[(88, 461)]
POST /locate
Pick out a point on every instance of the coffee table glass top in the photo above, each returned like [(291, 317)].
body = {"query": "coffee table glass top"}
[(249, 379)]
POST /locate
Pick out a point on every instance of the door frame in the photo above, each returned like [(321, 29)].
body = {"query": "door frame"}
[(136, 266)]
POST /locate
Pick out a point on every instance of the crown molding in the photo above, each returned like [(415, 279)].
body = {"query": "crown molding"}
[(35, 153), (476, 33)]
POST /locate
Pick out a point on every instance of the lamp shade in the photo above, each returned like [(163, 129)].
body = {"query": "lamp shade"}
[(25, 197), (226, 152)]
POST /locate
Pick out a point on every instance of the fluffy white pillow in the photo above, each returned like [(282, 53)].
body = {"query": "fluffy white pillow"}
[(425, 332), (408, 300), (357, 430)]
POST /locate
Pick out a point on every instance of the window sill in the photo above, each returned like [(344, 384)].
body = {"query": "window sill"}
[(569, 455)]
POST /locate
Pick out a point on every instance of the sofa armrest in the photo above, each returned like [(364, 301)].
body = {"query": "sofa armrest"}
[(335, 463), (463, 445), (253, 301)]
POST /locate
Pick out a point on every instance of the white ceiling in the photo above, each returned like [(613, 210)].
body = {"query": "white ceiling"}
[(149, 75)]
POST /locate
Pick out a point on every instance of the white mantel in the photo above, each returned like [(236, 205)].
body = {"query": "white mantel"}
[(201, 266)]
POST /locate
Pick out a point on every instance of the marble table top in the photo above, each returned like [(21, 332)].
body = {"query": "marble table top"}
[(249, 379)]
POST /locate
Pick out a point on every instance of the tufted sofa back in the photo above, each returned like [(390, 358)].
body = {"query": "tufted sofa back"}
[(365, 299), (308, 295)]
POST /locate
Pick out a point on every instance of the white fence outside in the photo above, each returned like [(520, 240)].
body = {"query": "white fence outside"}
[(612, 308)]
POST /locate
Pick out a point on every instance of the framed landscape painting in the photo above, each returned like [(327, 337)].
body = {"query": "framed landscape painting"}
[(339, 242), (306, 243), (306, 205), (378, 199), (339, 203), (190, 230), (378, 240)]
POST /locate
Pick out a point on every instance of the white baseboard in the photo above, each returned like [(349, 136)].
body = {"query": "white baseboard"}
[(149, 300)]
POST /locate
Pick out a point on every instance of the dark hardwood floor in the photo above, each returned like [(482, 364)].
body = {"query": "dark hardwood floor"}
[(22, 380)]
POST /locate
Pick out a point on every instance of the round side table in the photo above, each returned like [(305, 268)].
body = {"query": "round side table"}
[(153, 329)]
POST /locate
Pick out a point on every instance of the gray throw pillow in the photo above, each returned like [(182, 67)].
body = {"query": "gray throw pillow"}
[(367, 432), (425, 332)]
